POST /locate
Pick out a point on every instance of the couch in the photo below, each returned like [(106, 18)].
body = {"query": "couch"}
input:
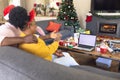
[(66, 31), (16, 64)]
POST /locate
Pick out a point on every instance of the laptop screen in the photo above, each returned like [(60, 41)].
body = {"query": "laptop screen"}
[(85, 39)]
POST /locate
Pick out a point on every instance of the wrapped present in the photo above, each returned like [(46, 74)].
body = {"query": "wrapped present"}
[(103, 62)]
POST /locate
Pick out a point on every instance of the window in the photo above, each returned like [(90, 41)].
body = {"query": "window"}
[(14, 2)]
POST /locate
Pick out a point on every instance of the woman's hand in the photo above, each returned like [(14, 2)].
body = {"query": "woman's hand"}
[(59, 53), (53, 35)]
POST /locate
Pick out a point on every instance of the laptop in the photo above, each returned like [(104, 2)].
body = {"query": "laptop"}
[(86, 42)]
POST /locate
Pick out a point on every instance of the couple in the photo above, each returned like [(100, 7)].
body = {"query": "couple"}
[(20, 21)]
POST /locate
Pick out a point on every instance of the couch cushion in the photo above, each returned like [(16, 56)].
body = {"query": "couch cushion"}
[(53, 26), (43, 25), (62, 24)]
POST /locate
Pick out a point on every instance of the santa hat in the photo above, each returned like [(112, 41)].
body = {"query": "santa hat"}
[(7, 10), (32, 15)]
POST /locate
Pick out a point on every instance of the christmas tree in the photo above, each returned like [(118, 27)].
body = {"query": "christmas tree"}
[(68, 14)]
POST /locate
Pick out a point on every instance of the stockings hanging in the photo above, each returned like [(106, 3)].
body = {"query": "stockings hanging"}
[(88, 17)]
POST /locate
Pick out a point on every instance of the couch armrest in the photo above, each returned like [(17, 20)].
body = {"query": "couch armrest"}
[(16, 64)]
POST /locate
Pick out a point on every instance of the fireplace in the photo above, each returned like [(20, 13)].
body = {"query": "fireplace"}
[(109, 28), (102, 26)]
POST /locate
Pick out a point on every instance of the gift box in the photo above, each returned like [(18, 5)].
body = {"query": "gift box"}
[(103, 62)]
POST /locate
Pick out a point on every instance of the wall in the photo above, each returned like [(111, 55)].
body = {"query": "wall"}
[(15, 2), (1, 7), (29, 4), (40, 1), (3, 4), (82, 8)]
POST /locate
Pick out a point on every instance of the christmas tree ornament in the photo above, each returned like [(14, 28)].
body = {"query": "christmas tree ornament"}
[(66, 17), (68, 6), (72, 17), (68, 14), (66, 24), (58, 3)]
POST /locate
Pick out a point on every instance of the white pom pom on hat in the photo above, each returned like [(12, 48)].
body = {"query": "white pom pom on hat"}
[(89, 14), (7, 10)]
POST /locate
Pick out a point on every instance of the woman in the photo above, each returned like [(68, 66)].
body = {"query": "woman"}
[(41, 49)]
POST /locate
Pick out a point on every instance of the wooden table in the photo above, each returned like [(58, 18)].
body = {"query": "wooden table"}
[(88, 58), (113, 56), (92, 56)]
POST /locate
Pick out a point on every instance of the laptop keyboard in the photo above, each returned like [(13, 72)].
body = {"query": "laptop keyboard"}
[(84, 46)]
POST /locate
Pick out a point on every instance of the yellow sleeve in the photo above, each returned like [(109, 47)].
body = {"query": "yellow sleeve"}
[(41, 49)]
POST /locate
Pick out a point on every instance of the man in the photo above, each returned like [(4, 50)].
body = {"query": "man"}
[(9, 32)]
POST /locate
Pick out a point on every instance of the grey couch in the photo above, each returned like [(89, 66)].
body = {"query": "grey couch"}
[(16, 64), (66, 31)]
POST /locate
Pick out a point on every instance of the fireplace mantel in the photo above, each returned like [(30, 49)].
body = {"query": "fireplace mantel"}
[(93, 26)]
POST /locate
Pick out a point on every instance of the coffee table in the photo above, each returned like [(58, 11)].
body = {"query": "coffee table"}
[(89, 58), (113, 56)]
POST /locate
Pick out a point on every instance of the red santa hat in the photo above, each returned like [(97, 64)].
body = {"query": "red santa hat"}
[(32, 15), (7, 10)]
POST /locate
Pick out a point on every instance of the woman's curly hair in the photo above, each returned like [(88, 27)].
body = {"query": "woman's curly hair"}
[(18, 17)]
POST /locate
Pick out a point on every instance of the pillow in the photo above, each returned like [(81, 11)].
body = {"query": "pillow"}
[(53, 26), (40, 31)]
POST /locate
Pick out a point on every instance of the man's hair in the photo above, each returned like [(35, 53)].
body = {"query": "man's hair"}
[(18, 17)]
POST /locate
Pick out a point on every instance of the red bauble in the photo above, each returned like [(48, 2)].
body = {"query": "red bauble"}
[(58, 3), (66, 18)]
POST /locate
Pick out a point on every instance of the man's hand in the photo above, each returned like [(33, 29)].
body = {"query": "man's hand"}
[(30, 39)]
